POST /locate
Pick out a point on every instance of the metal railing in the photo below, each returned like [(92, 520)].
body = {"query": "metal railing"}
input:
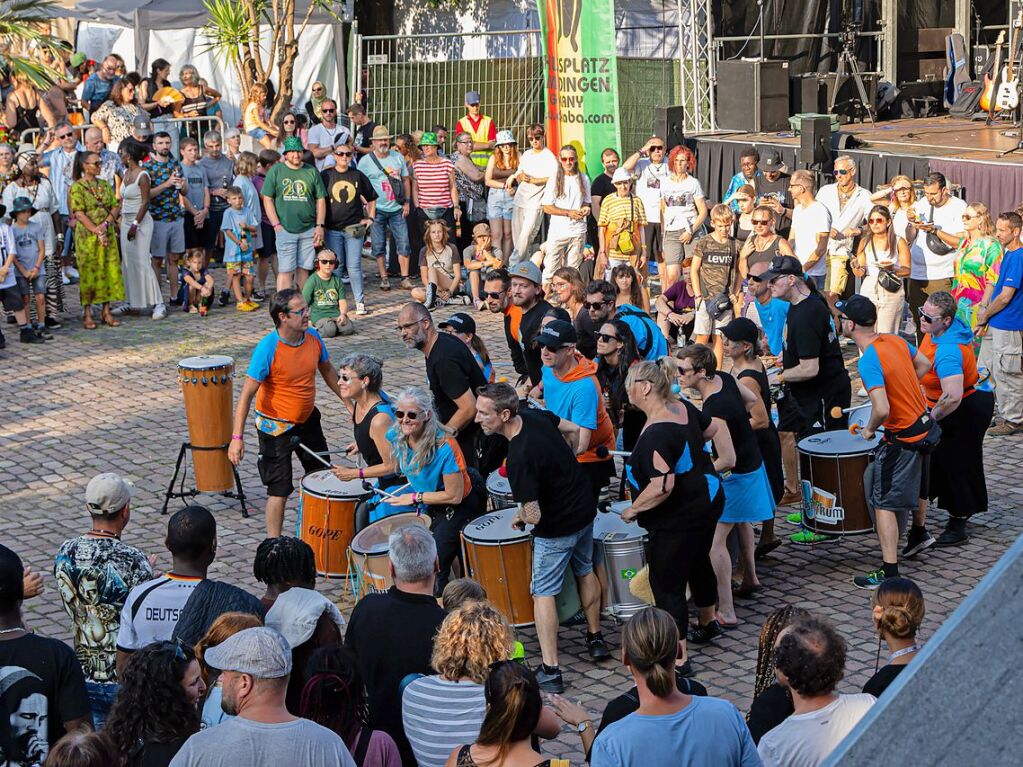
[(34, 135)]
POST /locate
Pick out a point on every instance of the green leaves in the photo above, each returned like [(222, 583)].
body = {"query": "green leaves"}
[(24, 26)]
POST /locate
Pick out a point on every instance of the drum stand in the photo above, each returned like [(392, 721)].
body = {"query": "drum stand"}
[(182, 493)]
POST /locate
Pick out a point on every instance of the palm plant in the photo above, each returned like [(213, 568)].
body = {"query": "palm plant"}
[(24, 26)]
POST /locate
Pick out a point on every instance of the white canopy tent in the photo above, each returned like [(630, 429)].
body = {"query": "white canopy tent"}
[(145, 30)]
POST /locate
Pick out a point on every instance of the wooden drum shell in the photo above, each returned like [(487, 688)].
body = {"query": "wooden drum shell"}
[(207, 385)]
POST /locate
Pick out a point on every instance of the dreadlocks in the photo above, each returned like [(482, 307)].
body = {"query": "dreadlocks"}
[(284, 561), (334, 694), (776, 622)]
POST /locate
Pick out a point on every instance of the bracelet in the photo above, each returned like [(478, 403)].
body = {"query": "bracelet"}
[(237, 437), (362, 473)]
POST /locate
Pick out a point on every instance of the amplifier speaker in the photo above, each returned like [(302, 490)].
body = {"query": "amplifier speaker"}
[(668, 125), (814, 141), (753, 96), (816, 91)]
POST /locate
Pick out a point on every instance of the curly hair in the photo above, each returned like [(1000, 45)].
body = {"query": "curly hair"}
[(685, 152), (151, 704), (334, 695), (776, 622), (469, 640), (811, 655)]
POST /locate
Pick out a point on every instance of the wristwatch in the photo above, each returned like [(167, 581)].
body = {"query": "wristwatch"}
[(582, 726)]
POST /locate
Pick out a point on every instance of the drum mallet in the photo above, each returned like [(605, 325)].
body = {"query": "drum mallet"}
[(837, 412), (297, 442), (603, 452)]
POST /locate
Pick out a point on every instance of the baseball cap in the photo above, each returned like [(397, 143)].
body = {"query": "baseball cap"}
[(782, 265), (482, 229), (142, 125), (472, 97), (77, 59), (556, 334), (296, 612), (621, 175), (107, 493), (260, 651), (527, 270), (293, 144), (859, 309), (741, 329), (770, 160), (461, 322)]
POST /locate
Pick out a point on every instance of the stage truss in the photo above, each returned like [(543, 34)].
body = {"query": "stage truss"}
[(696, 65)]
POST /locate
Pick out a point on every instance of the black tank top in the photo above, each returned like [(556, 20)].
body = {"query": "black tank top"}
[(765, 388), (727, 405), (764, 256), (364, 441)]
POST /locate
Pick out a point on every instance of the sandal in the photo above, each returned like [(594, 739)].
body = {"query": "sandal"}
[(89, 323), (742, 592), (766, 547), (109, 320)]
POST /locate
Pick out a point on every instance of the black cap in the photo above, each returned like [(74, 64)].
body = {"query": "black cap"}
[(556, 334), (770, 160), (742, 329), (782, 265), (459, 321), (859, 309)]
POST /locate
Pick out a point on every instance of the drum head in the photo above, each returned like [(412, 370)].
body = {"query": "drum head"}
[(498, 485), (611, 524), (495, 527), (206, 362), (861, 415), (325, 485), (373, 538), (838, 442)]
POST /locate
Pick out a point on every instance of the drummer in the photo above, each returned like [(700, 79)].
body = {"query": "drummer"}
[(553, 494), (677, 495), (359, 379), (427, 453), (957, 465), (890, 368), (282, 379)]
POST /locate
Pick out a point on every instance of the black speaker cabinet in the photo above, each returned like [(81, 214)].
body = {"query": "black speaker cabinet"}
[(816, 90), (753, 96), (668, 125), (814, 140)]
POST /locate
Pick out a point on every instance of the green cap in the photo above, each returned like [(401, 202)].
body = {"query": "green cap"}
[(293, 144), (429, 139), (77, 59)]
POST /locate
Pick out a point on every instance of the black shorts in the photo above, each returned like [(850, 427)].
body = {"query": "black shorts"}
[(275, 454), (269, 246), (809, 412), (12, 299), (211, 229), (194, 238)]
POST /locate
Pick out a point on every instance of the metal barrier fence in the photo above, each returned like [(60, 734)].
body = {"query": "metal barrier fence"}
[(177, 127)]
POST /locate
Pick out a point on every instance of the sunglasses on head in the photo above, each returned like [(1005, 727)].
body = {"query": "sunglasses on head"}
[(410, 415), (606, 337)]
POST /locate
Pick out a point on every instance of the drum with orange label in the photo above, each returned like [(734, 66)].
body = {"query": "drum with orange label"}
[(326, 518)]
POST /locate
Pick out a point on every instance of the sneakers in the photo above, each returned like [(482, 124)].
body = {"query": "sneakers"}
[(463, 300), (385, 284), (247, 306), (29, 336), (917, 540), (1005, 429), (810, 538), (794, 518), (159, 311), (550, 681), (42, 332), (225, 297), (431, 296), (122, 311), (53, 324), (871, 580), (597, 648), (360, 308), (700, 634), (955, 533), (405, 284), (258, 295)]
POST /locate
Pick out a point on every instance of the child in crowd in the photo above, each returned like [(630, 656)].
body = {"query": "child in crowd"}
[(325, 293), (29, 243), (239, 227), (440, 269), (268, 251), (197, 284), (479, 258), (254, 117), (10, 296)]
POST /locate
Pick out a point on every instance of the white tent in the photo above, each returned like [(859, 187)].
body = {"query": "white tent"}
[(145, 30)]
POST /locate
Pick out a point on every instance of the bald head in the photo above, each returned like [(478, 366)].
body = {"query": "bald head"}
[(415, 325), (93, 139)]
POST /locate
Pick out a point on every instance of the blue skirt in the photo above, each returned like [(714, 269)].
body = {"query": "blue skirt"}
[(748, 497)]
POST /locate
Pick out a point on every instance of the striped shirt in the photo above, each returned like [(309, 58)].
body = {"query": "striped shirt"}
[(439, 715), (433, 183)]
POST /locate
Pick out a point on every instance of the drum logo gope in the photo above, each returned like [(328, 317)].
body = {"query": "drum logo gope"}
[(318, 532), (821, 505)]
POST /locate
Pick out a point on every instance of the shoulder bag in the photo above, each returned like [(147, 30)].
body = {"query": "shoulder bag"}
[(886, 278), (935, 243), (397, 185), (718, 306), (624, 243)]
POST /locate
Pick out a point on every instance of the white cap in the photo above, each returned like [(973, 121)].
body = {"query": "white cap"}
[(296, 612)]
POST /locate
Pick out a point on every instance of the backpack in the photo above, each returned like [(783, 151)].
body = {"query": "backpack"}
[(647, 344)]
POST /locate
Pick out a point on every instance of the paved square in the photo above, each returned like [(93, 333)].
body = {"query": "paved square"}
[(108, 400)]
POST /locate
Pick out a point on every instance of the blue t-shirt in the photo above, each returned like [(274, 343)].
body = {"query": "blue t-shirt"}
[(575, 401), (948, 360), (709, 732), (430, 478), (772, 320), (649, 338), (381, 183), (232, 222), (1010, 275)]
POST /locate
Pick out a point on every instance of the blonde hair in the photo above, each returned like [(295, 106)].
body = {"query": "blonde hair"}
[(987, 224), (722, 212), (896, 205), (650, 642), (227, 625), (426, 234), (257, 89), (246, 164), (902, 606), (660, 374), (469, 640)]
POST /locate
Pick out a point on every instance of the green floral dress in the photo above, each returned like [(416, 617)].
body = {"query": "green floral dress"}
[(99, 268)]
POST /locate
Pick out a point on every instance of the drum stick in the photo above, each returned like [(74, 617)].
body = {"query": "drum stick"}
[(314, 455), (603, 452), (392, 496), (837, 412)]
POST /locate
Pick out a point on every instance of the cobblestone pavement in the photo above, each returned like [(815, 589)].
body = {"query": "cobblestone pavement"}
[(107, 400)]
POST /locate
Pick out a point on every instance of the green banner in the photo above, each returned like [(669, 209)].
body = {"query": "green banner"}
[(581, 77)]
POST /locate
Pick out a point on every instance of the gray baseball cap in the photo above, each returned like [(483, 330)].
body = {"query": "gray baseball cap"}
[(527, 270), (108, 493), (262, 652)]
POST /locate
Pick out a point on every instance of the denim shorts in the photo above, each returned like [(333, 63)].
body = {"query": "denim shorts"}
[(37, 284), (295, 250), (257, 133), (552, 555), (499, 204)]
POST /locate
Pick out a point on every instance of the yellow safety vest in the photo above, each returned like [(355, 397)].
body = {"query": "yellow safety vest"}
[(480, 136)]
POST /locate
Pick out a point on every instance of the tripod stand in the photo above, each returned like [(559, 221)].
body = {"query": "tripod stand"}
[(849, 67)]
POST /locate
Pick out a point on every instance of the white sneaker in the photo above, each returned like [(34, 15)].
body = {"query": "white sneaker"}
[(360, 308), (122, 310), (65, 279), (72, 272), (159, 311)]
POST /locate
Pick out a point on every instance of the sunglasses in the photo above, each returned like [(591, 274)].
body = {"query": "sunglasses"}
[(760, 221), (342, 154), (594, 305), (755, 278), (657, 148), (607, 337), (968, 217), (407, 415), (495, 294), (926, 317), (568, 159), (345, 378), (536, 138), (842, 171), (902, 189), (328, 261), (299, 312), (329, 111), (877, 220), (685, 371), (63, 136)]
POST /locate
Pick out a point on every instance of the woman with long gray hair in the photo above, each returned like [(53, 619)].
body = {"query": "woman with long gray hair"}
[(427, 454)]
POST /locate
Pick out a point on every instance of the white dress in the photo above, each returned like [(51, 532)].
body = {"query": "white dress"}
[(141, 289), (43, 200)]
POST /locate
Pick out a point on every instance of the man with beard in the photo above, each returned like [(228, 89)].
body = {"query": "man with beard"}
[(167, 184), (451, 372), (497, 293), (255, 666), (527, 295)]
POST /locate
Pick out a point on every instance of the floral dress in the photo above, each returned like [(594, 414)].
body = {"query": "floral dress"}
[(99, 267), (118, 119), (976, 266)]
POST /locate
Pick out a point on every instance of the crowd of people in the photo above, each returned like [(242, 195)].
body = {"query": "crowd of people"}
[(702, 340)]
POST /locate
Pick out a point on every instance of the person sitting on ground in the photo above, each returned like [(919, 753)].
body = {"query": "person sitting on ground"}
[(223, 627), (669, 727), (629, 287), (810, 661), (324, 292), (514, 711), (334, 696), (197, 284), (309, 621), (255, 665), (460, 591), (898, 610), (772, 703), (440, 269), (479, 258), (283, 563), (157, 707), (446, 709)]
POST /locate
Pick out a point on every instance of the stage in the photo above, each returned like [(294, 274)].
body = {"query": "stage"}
[(966, 151)]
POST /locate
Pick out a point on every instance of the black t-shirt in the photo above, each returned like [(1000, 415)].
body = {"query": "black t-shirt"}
[(392, 635), (769, 709), (691, 503), (543, 468), (363, 136), (345, 192), (878, 683), (809, 333), (452, 371), (41, 688), (587, 332), (778, 190), (529, 326), (727, 405)]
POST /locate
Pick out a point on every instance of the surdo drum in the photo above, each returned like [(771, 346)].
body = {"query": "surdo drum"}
[(326, 518), (207, 383), (369, 565), (832, 466), (623, 544)]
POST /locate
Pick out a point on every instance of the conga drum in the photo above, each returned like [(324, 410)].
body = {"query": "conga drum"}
[(369, 566), (831, 466), (207, 384), (326, 518), (624, 549), (499, 491)]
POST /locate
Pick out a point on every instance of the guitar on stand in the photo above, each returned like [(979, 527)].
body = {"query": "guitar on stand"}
[(987, 97), (1007, 95)]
